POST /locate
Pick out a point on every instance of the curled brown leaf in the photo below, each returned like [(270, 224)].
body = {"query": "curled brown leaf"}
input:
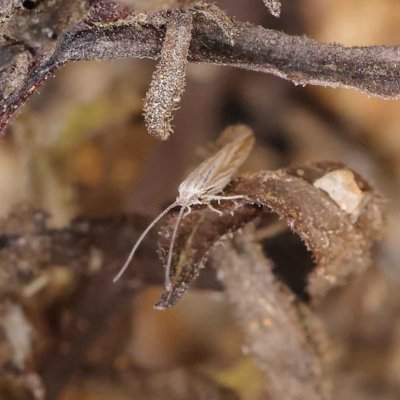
[(340, 243)]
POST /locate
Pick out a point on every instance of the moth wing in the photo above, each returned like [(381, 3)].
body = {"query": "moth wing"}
[(214, 174), (232, 133)]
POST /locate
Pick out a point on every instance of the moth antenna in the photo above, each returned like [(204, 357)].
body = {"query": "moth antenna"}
[(171, 248), (142, 236)]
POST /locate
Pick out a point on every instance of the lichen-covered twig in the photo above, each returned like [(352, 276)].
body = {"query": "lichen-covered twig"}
[(168, 80)]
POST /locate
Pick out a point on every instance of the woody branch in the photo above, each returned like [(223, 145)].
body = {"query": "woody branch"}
[(372, 69)]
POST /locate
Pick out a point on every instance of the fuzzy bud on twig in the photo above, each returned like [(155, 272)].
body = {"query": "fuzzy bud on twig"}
[(168, 80)]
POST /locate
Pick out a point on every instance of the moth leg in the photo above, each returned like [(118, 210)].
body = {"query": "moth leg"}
[(214, 209), (189, 210), (237, 205), (219, 198)]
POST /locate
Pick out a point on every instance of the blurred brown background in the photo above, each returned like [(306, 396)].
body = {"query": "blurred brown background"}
[(80, 148)]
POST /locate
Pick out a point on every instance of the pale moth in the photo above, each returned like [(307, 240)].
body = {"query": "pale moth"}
[(204, 184)]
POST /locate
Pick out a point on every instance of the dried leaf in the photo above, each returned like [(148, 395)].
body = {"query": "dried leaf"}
[(340, 245), (196, 236), (168, 80)]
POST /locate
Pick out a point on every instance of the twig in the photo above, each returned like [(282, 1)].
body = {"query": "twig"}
[(111, 33)]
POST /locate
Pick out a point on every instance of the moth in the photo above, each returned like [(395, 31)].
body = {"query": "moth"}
[(204, 185)]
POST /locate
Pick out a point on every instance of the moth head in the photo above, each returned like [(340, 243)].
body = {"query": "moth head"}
[(187, 198)]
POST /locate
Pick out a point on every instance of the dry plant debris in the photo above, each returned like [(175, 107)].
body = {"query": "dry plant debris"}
[(282, 331), (334, 211), (266, 307), (33, 258)]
